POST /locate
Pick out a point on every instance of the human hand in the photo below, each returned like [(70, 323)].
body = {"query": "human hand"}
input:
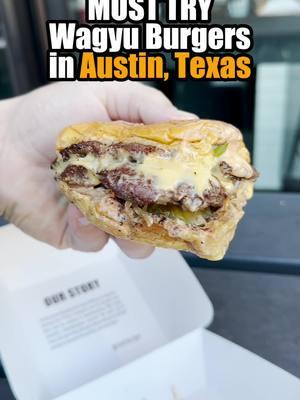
[(28, 128)]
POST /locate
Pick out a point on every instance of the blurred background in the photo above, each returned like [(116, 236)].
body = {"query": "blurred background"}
[(256, 289), (266, 109)]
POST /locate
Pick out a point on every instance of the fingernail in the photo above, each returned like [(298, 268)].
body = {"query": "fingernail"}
[(83, 222), (185, 115)]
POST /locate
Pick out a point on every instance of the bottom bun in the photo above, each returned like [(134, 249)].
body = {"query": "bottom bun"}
[(106, 213)]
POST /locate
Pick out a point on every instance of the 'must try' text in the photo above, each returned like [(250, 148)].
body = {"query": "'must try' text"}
[(139, 10)]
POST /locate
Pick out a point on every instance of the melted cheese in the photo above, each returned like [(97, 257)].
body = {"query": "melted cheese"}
[(97, 164), (93, 163), (186, 167)]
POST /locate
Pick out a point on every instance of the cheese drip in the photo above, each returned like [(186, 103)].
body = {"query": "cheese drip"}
[(93, 163), (185, 167)]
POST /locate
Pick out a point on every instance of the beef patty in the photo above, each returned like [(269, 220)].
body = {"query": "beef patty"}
[(129, 185), (98, 149)]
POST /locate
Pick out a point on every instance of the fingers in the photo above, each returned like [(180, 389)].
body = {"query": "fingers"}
[(133, 249), (135, 102), (81, 235)]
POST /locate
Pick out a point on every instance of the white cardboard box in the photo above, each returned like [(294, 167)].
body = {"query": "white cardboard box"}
[(103, 327)]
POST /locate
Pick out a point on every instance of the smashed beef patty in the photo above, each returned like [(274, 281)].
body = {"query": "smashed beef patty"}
[(129, 185), (98, 149)]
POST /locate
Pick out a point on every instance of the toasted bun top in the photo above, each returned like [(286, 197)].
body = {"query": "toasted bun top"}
[(192, 131)]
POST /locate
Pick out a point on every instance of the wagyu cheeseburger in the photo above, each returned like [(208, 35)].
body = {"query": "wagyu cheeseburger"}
[(179, 184)]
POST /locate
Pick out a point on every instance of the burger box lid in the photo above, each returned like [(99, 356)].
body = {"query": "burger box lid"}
[(118, 329), (197, 366), (69, 318)]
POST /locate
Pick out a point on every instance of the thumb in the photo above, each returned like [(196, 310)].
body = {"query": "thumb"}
[(135, 102)]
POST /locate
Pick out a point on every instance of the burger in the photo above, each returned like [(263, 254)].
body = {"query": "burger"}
[(178, 184)]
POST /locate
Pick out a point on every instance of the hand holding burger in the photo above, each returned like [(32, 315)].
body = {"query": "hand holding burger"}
[(29, 125)]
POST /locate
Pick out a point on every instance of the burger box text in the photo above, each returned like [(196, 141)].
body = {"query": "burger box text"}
[(100, 326)]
